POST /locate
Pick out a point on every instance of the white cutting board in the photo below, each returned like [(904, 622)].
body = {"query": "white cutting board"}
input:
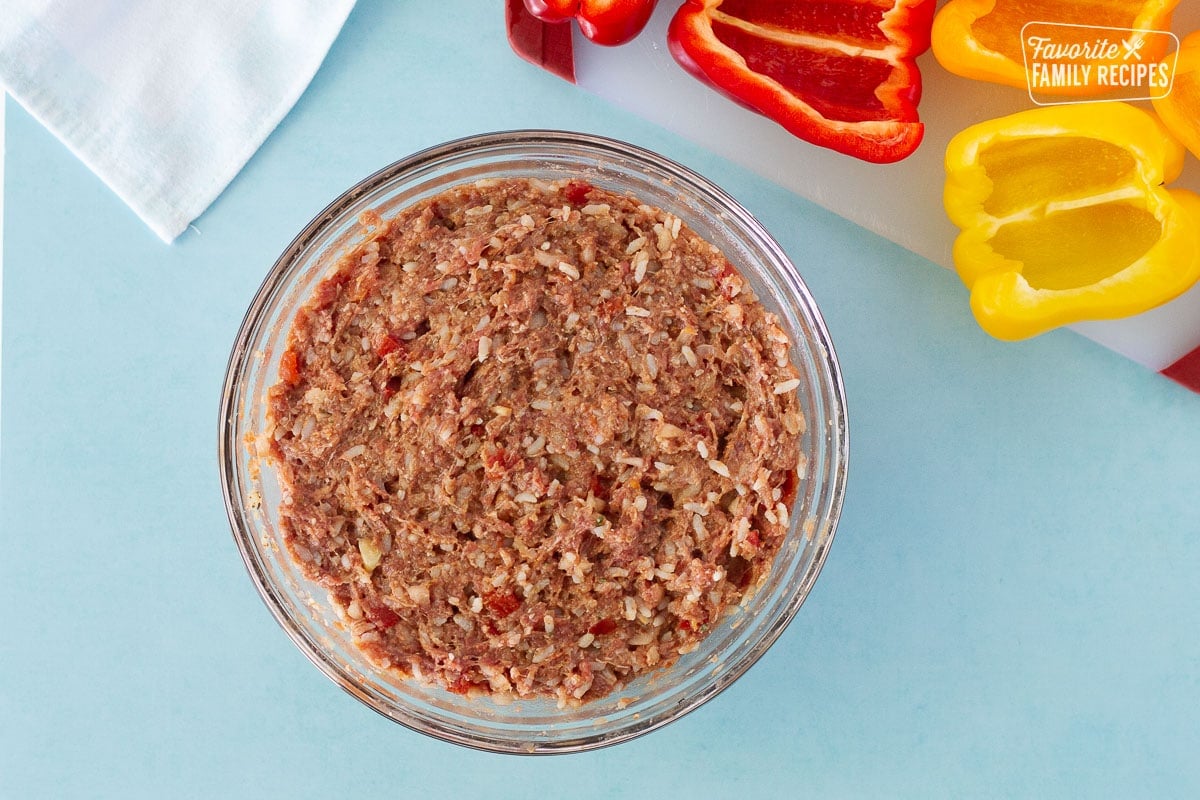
[(903, 201)]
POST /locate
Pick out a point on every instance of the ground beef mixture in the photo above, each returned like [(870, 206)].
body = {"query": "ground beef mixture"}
[(534, 438)]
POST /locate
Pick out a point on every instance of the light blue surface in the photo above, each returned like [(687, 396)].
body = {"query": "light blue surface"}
[(1011, 606)]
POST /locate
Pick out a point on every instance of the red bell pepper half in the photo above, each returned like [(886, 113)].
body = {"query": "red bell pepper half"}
[(840, 73), (608, 22)]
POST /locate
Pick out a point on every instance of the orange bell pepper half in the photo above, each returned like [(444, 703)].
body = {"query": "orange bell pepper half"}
[(981, 39), (1064, 217), (1180, 110), (840, 75), (607, 22)]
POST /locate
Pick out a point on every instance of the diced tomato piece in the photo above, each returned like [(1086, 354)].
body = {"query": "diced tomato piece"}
[(602, 627), (600, 487), (289, 367), (500, 458), (723, 276), (501, 604), (685, 625), (460, 685), (608, 309), (577, 192), (382, 616), (722, 270), (787, 492), (386, 343)]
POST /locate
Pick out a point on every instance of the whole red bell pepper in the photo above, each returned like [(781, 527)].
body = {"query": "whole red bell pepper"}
[(608, 22), (839, 75)]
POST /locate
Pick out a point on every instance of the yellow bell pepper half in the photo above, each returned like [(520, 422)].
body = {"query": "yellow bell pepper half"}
[(1180, 110), (981, 39), (1064, 217)]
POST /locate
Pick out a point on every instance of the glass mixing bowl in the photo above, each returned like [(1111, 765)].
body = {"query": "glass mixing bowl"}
[(252, 491)]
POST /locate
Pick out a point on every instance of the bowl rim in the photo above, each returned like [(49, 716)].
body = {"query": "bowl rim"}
[(833, 394)]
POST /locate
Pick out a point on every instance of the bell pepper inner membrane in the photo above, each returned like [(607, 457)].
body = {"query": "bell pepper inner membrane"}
[(1078, 247), (840, 86), (1026, 172)]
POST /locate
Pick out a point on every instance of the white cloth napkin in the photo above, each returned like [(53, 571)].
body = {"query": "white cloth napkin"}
[(165, 100)]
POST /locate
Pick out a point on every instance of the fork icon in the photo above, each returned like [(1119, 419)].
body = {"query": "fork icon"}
[(1132, 47)]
